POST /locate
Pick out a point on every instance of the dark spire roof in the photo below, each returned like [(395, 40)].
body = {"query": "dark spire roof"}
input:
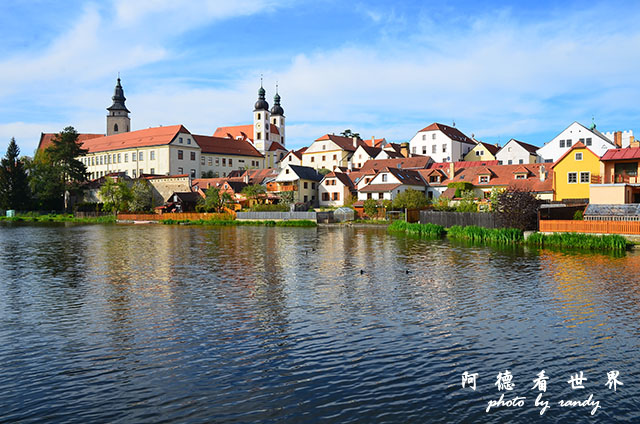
[(261, 104), (277, 109), (118, 99)]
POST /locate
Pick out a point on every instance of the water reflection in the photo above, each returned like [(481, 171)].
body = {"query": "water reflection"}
[(249, 324)]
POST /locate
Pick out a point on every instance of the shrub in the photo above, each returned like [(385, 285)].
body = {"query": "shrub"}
[(411, 199), (88, 207), (423, 230), (370, 208), (578, 216), (497, 235), (443, 204), (518, 209), (579, 241), (269, 208), (460, 187)]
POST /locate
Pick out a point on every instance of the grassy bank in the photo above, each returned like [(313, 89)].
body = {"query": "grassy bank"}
[(109, 219), (512, 236), (223, 223), (611, 242)]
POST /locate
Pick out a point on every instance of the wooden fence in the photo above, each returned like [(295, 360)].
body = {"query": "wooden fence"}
[(598, 227), (192, 216), (276, 216)]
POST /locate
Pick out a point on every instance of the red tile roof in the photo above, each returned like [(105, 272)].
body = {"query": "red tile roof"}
[(242, 131), (451, 132), (504, 175), (157, 136), (256, 176), (345, 143), (205, 183), (416, 162), (276, 146), (463, 164), (375, 142), (226, 146), (621, 154), (379, 188), (46, 139)]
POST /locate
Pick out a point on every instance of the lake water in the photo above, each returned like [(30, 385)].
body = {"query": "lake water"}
[(137, 324)]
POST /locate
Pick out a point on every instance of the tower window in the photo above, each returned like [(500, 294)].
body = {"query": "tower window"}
[(259, 116), (115, 127), (274, 121)]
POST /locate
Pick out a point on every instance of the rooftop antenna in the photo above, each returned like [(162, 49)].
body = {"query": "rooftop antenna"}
[(261, 80), (276, 87)]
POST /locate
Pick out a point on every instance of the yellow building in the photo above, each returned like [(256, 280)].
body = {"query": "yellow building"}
[(482, 152), (572, 173)]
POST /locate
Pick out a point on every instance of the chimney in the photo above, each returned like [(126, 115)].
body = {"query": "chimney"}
[(452, 170), (350, 165), (246, 177), (404, 149), (355, 142), (617, 139), (543, 173), (633, 142)]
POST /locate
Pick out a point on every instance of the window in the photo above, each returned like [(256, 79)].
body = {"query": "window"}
[(572, 177), (384, 178), (479, 153), (444, 148), (499, 162), (180, 140), (180, 170), (141, 172), (259, 136), (509, 162), (568, 142), (413, 150), (113, 158), (133, 173), (434, 149), (224, 161), (180, 154), (561, 143), (424, 150), (369, 196), (325, 196), (509, 149), (433, 136), (313, 159), (152, 171), (193, 155), (520, 176), (126, 157), (380, 195), (578, 156), (335, 157), (217, 161), (424, 136), (119, 157), (115, 127), (100, 160), (286, 171), (521, 161), (152, 155), (193, 173), (188, 141), (202, 160), (140, 156), (588, 143), (259, 116), (306, 184), (548, 161), (290, 158), (230, 162), (585, 177), (323, 158), (483, 179), (313, 186)]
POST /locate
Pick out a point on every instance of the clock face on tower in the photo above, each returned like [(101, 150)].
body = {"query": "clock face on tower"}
[(258, 125)]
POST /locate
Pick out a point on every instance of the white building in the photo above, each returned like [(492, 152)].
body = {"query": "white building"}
[(574, 133), (441, 142), (517, 152), (389, 182)]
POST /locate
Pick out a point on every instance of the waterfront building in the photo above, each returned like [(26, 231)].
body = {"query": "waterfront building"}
[(389, 182), (335, 189), (575, 133), (618, 182), (441, 142), (301, 180), (573, 173), (482, 152), (517, 152)]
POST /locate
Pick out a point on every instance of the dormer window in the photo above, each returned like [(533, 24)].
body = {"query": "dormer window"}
[(521, 176), (483, 179)]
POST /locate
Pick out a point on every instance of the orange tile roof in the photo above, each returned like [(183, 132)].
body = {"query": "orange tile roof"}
[(345, 143), (504, 175), (226, 146), (416, 162), (205, 183), (379, 188), (243, 131), (276, 146), (46, 139), (157, 136)]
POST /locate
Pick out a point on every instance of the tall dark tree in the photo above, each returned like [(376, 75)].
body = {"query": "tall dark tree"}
[(14, 184), (518, 208)]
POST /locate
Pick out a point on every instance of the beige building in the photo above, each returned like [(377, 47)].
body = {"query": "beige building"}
[(330, 151), (303, 181), (335, 189)]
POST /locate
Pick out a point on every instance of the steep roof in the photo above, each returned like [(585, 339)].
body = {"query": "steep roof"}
[(415, 162), (344, 178), (528, 147), (578, 145), (306, 172), (46, 139), (256, 176), (451, 132), (276, 146), (504, 175), (226, 146), (407, 176), (242, 131), (621, 154), (491, 148), (371, 151), (205, 183), (156, 136), (345, 143)]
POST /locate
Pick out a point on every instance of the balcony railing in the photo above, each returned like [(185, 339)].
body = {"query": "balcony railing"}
[(614, 179)]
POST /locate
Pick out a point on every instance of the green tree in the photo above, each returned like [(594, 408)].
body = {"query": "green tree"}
[(141, 197), (254, 191), (371, 208), (286, 198), (323, 171), (14, 184), (349, 133), (410, 199), (467, 203), (115, 195), (215, 201), (45, 184)]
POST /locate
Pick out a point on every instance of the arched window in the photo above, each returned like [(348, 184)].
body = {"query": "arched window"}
[(115, 127)]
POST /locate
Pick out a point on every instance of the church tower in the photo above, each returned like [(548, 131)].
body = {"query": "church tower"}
[(118, 120), (277, 117), (261, 122)]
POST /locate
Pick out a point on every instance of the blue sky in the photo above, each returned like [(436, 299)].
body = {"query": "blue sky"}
[(499, 69)]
